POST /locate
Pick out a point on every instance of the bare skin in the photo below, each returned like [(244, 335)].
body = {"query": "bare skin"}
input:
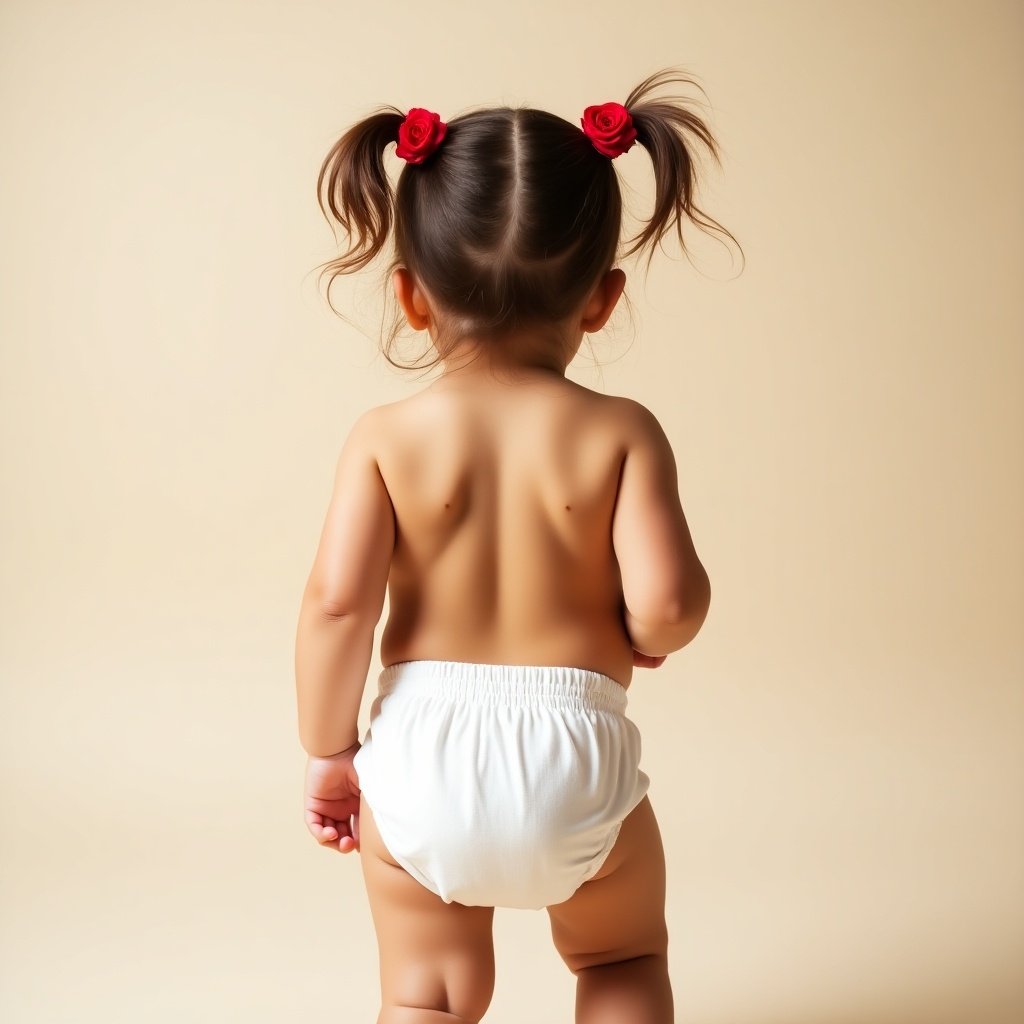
[(503, 495), (505, 481)]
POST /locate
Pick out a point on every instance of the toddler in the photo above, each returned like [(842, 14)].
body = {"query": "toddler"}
[(529, 535)]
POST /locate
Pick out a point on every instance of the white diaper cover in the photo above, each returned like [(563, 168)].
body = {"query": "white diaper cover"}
[(499, 785)]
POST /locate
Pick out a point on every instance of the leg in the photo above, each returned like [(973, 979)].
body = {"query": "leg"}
[(611, 932), (436, 958)]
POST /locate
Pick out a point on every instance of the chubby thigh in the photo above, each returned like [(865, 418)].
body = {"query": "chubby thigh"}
[(490, 803), (619, 915), (434, 956)]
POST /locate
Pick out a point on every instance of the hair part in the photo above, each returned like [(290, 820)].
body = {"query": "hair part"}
[(514, 219)]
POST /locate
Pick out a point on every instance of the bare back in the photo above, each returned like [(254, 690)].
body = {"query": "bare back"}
[(503, 496)]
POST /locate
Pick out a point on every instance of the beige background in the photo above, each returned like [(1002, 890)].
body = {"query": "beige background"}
[(837, 760)]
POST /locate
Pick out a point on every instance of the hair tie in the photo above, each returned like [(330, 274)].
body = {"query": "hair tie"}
[(419, 135), (609, 126)]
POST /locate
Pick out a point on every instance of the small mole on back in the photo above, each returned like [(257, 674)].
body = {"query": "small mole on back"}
[(567, 509), (446, 505)]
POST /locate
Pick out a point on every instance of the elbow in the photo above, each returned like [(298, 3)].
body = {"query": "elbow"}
[(337, 613), (693, 606), (327, 609), (673, 626), (685, 623), (698, 613)]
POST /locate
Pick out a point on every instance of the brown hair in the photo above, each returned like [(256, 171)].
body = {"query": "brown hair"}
[(515, 217)]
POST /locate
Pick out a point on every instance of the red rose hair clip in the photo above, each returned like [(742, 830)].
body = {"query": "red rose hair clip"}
[(609, 127), (419, 135)]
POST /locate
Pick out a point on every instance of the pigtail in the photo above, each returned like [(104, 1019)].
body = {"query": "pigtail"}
[(354, 184), (662, 128)]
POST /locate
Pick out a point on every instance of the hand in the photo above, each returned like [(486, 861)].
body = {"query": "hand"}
[(332, 799), (647, 660)]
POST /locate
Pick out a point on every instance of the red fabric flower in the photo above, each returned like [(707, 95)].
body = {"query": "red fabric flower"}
[(419, 135), (610, 128)]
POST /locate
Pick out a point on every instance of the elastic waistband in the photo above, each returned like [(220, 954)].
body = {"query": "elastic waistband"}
[(479, 682)]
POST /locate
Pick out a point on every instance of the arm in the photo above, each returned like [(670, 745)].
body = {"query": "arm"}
[(665, 588), (343, 599)]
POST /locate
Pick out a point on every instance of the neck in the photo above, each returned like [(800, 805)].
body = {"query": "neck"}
[(506, 360)]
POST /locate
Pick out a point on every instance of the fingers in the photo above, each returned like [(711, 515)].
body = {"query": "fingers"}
[(322, 829), (647, 660), (347, 839), (348, 836), (337, 835)]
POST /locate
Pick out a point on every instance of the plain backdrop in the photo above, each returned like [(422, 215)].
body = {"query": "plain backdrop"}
[(836, 761)]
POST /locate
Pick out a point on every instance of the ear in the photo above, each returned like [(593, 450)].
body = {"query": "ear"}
[(411, 299), (602, 301)]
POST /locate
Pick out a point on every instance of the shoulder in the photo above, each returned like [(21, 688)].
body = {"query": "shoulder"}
[(632, 419), (368, 432), (379, 421), (380, 433), (629, 410), (622, 421), (642, 439)]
